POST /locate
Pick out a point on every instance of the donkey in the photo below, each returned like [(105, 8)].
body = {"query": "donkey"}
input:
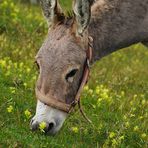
[(112, 24)]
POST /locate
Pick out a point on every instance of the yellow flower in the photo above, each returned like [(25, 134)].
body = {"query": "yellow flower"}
[(90, 91), (143, 102), (141, 117), (124, 117), (112, 135), (15, 65), (114, 142), (136, 128), (134, 108), (86, 88), (75, 129), (13, 90), (97, 90), (21, 64), (143, 135), (127, 124), (121, 138), (135, 96), (132, 115), (28, 70), (122, 93), (25, 84), (3, 63), (27, 114), (131, 103), (42, 126), (34, 78), (10, 109)]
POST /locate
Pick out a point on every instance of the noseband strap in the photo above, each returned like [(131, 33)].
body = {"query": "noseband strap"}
[(53, 102), (58, 104)]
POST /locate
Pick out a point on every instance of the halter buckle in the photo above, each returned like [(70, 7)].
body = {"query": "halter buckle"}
[(74, 103)]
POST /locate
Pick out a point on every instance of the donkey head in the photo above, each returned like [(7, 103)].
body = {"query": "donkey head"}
[(61, 61)]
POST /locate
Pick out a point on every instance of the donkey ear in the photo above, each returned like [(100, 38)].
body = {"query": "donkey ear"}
[(52, 11), (82, 11)]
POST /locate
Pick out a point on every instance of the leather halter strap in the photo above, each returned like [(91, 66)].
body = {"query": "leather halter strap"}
[(59, 104)]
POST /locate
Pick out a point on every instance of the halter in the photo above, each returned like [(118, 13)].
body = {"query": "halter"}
[(63, 106)]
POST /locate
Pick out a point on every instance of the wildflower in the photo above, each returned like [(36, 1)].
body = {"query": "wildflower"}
[(132, 115), (34, 78), (133, 108), (143, 102), (121, 138), (7, 73), (27, 114), (3, 63), (143, 135), (141, 117), (20, 75), (25, 84), (15, 65), (86, 88), (97, 90), (127, 124), (99, 102), (42, 126), (135, 96), (10, 109), (21, 64), (112, 135), (90, 91), (122, 93), (131, 103), (28, 70), (124, 117), (104, 95), (13, 90), (75, 129), (8, 67), (94, 106), (136, 128), (114, 142)]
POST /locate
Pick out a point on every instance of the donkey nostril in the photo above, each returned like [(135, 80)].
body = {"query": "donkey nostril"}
[(50, 126)]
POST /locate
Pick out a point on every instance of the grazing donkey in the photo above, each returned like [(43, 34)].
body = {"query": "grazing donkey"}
[(113, 24)]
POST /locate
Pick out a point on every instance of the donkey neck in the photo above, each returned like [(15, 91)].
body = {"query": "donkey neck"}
[(115, 25)]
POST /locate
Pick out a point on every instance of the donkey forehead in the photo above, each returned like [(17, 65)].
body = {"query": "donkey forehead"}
[(62, 49), (55, 57)]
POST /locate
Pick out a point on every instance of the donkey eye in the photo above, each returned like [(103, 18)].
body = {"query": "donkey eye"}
[(70, 75)]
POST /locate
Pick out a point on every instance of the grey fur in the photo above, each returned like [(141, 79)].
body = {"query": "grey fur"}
[(117, 24), (114, 24), (51, 10), (82, 10)]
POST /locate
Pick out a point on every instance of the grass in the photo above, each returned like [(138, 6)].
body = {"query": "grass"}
[(116, 98)]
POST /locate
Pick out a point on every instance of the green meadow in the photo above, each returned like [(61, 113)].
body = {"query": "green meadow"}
[(115, 99)]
